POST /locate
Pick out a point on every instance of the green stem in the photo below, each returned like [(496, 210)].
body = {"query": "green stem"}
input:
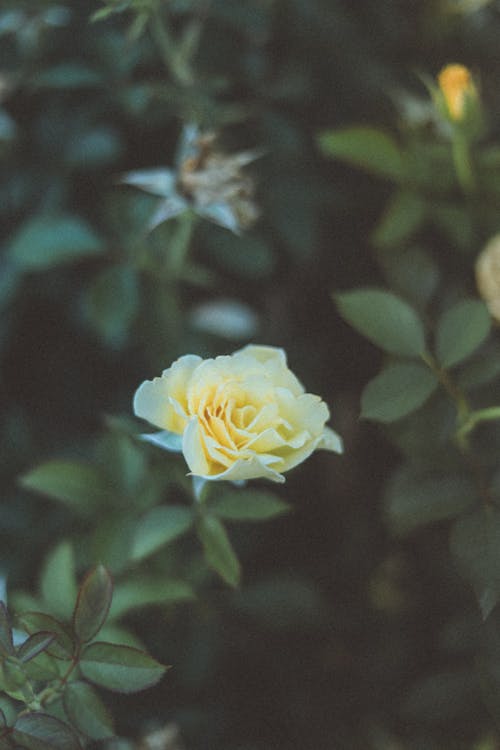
[(52, 692), (467, 420), (490, 414), (178, 248), (175, 63), (453, 390), (463, 163)]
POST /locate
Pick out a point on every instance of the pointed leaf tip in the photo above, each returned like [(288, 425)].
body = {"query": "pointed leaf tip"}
[(122, 669)]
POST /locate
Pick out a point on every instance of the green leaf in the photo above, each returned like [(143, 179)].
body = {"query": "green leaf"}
[(114, 6), (112, 302), (218, 549), (14, 675), (44, 242), (34, 645), (62, 646), (411, 272), (94, 148), (67, 75), (413, 499), (475, 544), (93, 603), (160, 526), (112, 632), (9, 710), (87, 712), (126, 465), (43, 667), (456, 224), (461, 330), (120, 668), (145, 592), (385, 319), (370, 149), (397, 391), (111, 541), (401, 219), (247, 505), (79, 486), (6, 644), (58, 581), (39, 731)]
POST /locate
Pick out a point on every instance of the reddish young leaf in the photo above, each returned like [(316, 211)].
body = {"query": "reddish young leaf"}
[(34, 645), (92, 604)]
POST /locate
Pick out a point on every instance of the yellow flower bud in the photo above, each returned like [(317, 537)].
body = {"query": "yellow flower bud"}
[(488, 276), (458, 88)]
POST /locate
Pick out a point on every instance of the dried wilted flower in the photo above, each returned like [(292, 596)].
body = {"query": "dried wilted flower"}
[(488, 276), (212, 177), (206, 181)]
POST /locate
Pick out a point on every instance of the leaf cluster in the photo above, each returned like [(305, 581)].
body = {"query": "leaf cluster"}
[(52, 675)]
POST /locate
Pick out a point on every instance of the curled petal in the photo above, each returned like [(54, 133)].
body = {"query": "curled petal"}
[(169, 441), (330, 441)]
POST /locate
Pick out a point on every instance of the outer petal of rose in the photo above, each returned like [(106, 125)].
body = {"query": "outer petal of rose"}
[(152, 398), (179, 375), (151, 403), (290, 457), (270, 440), (169, 441), (330, 441), (307, 412), (254, 467)]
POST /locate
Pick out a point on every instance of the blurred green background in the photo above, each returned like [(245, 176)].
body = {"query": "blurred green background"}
[(341, 636)]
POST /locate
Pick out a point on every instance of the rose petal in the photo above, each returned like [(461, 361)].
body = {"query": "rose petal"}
[(169, 441), (250, 468), (330, 441)]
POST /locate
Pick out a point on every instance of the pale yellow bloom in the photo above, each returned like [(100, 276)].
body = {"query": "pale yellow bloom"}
[(488, 276), (241, 416), (457, 87)]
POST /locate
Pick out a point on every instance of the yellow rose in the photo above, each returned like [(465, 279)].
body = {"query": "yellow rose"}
[(235, 417), (488, 276), (458, 89)]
